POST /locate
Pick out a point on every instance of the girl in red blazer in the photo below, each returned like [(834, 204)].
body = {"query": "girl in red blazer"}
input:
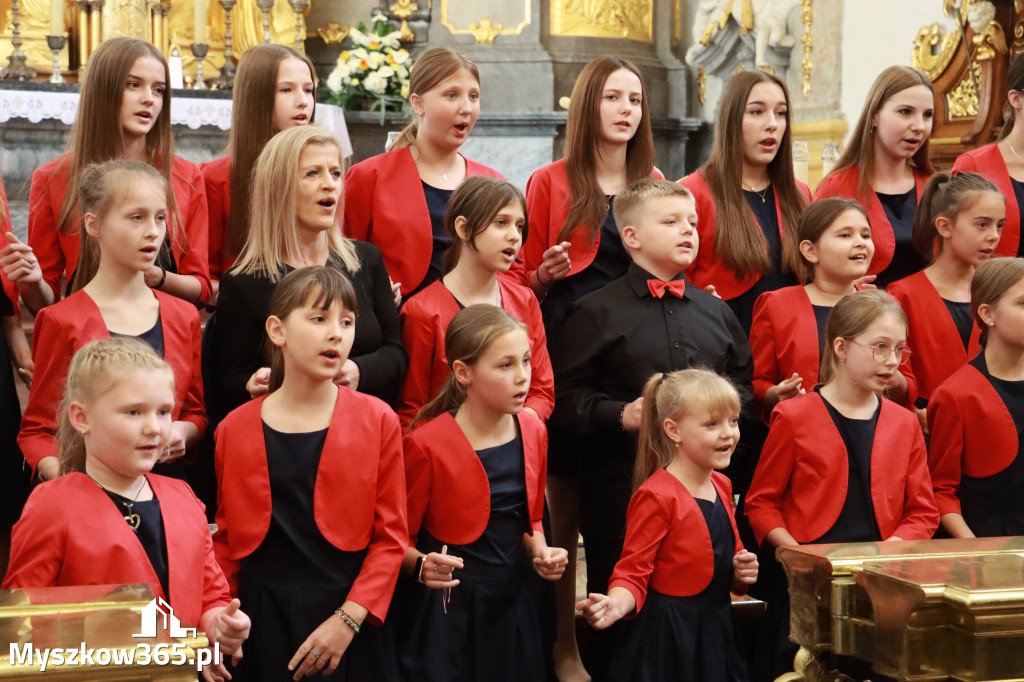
[(682, 553), (275, 89), (123, 113), (841, 464), (1002, 162), (124, 225), (977, 415), (311, 516), (486, 220), (397, 200), (746, 195), (886, 165), (957, 228), (475, 476), (108, 519)]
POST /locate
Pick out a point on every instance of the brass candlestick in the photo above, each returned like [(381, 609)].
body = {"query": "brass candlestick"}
[(265, 7), (199, 51), (56, 44), (225, 80), (16, 68), (299, 6)]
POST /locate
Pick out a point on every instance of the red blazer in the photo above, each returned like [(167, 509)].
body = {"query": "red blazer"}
[(932, 335), (988, 161), (358, 498), (844, 184), (707, 268), (61, 329), (58, 253), (668, 546), (972, 433), (70, 533), (547, 204), (425, 319), (448, 491), (10, 288), (801, 479), (217, 175), (784, 340), (385, 205)]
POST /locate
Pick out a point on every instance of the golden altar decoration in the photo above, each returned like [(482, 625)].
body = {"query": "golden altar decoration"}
[(93, 617), (916, 611)]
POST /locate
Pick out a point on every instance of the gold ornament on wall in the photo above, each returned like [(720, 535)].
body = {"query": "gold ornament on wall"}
[(403, 9), (990, 42), (702, 83), (485, 31), (923, 57), (963, 99), (333, 33), (807, 17), (631, 19)]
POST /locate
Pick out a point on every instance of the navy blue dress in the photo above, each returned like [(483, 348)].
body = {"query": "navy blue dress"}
[(295, 579), (687, 638), (14, 475), (489, 630)]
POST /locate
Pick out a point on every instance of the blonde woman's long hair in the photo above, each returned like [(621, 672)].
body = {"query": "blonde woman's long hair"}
[(273, 224)]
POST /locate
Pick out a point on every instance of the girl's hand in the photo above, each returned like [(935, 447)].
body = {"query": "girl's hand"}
[(744, 568), (865, 282), (347, 376), (632, 414), (18, 261), (600, 610), (922, 416), (396, 291), (322, 651), (438, 571), (153, 275), (784, 390), (230, 627), (177, 443), (216, 672), (550, 562), (259, 383), (48, 468), (713, 291), (556, 264)]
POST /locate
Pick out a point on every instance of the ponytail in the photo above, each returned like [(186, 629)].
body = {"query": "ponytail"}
[(1014, 81), (945, 196), (655, 450)]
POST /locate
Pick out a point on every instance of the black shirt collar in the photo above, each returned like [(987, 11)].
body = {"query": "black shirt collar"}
[(637, 278)]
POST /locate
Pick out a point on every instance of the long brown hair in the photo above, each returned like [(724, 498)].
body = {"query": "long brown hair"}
[(671, 396), (990, 282), (252, 126), (1014, 81), (739, 241), (104, 186), (432, 68), (478, 199), (851, 316), (95, 368), (588, 204), (97, 134), (316, 285), (813, 223), (860, 151), (470, 333), (945, 195)]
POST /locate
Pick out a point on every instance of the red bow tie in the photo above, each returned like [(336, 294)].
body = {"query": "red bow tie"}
[(657, 287)]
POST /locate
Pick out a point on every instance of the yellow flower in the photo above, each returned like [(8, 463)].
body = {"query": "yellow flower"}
[(374, 45), (405, 91), (390, 59), (364, 65), (343, 56), (355, 82)]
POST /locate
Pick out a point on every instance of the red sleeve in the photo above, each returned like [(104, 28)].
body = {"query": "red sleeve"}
[(38, 543), (10, 288), (542, 382), (360, 185), (376, 580), (906, 369), (647, 523), (195, 260), (920, 516), (771, 479), (945, 449), (418, 478), (52, 348), (194, 410), (217, 216), (762, 345), (419, 336), (221, 548), (538, 208), (215, 584), (42, 231)]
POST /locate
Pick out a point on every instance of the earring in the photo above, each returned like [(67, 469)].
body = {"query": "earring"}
[(873, 129), (85, 432)]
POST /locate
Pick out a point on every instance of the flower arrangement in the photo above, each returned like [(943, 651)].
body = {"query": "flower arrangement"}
[(374, 73)]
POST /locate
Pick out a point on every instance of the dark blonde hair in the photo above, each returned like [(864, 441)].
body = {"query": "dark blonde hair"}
[(97, 135), (252, 125), (861, 149), (739, 241), (813, 223), (103, 187), (470, 333), (1014, 81), (671, 396), (318, 286), (588, 204), (990, 282), (432, 68), (478, 199), (851, 316), (630, 201), (95, 368), (945, 195)]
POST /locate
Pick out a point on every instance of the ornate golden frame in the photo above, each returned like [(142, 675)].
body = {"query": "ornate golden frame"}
[(485, 30)]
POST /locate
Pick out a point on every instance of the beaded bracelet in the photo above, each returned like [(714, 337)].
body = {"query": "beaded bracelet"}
[(163, 278), (349, 620)]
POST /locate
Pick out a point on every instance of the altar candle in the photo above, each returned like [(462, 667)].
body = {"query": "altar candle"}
[(56, 17), (199, 28)]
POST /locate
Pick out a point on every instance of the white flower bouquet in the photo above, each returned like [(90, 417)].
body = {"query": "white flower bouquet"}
[(374, 74)]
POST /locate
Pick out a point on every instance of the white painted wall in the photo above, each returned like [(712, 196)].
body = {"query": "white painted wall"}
[(876, 35)]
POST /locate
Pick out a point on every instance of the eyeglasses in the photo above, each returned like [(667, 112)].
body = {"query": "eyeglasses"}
[(881, 351)]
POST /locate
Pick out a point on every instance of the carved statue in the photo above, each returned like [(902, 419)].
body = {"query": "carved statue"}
[(770, 26), (766, 18)]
